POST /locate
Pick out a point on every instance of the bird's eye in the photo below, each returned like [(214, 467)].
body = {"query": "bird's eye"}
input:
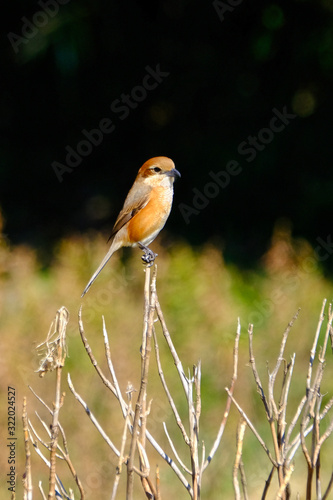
[(157, 169)]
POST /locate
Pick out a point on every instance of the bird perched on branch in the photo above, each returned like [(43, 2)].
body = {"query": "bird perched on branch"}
[(145, 211)]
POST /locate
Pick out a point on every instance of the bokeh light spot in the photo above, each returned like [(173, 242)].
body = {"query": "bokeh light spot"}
[(304, 103), (272, 17), (261, 47)]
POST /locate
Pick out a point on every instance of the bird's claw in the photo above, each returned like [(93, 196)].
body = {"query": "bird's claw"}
[(148, 257)]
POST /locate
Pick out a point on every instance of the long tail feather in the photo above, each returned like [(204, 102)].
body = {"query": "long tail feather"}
[(100, 267)]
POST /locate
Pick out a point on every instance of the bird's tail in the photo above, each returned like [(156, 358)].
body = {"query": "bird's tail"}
[(111, 251)]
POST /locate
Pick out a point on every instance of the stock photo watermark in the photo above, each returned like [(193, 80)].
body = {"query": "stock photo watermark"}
[(40, 19), (248, 148), (225, 7), (120, 107)]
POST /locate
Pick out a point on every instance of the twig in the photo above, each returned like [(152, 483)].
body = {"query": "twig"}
[(158, 492), (327, 334), (251, 426), (167, 392), (328, 489), (41, 490), (93, 360), (294, 421), (45, 460), (282, 423), (170, 462), (59, 361), (118, 394), (239, 440), (194, 434), (267, 483), (228, 404), (143, 386), (121, 454), (255, 372), (27, 482), (112, 388), (173, 351), (285, 482), (92, 417), (186, 469), (273, 413), (314, 346)]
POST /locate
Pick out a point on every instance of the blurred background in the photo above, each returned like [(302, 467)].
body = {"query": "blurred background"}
[(240, 97), (225, 71)]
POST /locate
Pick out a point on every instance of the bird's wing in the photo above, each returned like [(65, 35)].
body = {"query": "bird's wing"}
[(131, 207), (135, 201)]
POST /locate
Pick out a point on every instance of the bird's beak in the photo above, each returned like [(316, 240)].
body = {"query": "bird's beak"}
[(173, 173)]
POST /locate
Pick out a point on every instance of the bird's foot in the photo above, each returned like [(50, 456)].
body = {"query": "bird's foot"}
[(149, 256)]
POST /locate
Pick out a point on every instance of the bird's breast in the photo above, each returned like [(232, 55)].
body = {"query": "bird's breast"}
[(149, 221)]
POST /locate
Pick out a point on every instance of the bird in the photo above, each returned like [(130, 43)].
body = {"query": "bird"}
[(145, 211)]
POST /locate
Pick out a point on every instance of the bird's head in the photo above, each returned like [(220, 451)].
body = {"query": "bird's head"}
[(158, 170)]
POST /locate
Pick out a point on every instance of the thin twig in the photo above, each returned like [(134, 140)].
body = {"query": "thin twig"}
[(267, 483), (143, 388), (328, 489), (294, 420), (27, 482), (92, 417), (314, 346), (173, 351), (327, 334), (186, 469), (41, 490), (121, 455), (228, 404), (118, 394), (251, 426), (272, 376), (167, 392), (284, 401), (170, 462), (93, 360), (60, 355), (255, 372), (239, 440)]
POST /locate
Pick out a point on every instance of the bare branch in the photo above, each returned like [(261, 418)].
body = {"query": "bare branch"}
[(314, 346), (27, 482), (285, 482), (267, 484), (167, 392), (41, 490), (93, 360), (118, 394), (173, 351), (186, 469), (272, 376), (256, 374), (228, 404), (237, 465), (92, 417), (329, 487), (255, 432), (140, 413)]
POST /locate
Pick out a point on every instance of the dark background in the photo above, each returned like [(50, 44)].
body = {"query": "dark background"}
[(227, 71)]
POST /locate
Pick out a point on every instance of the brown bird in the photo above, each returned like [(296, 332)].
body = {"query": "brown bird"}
[(145, 211)]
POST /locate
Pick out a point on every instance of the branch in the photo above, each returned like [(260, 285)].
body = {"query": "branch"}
[(228, 404), (27, 482)]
